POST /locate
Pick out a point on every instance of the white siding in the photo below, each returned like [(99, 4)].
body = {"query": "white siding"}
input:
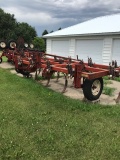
[(48, 47), (107, 49), (60, 47), (116, 50), (72, 48), (90, 48), (102, 49)]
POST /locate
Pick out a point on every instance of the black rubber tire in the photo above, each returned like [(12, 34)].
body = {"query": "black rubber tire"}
[(25, 73), (18, 70), (87, 88), (0, 60), (12, 44)]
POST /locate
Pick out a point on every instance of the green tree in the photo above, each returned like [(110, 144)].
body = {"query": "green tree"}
[(11, 29), (44, 32), (59, 28), (26, 31), (39, 43), (7, 25)]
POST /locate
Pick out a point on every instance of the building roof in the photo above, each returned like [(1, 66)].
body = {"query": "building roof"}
[(101, 25)]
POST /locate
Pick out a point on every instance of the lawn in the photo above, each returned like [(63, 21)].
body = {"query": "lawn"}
[(4, 59), (40, 124)]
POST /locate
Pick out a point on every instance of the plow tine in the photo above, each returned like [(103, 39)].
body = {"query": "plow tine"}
[(58, 76), (36, 75), (48, 78), (48, 81), (66, 83), (37, 72)]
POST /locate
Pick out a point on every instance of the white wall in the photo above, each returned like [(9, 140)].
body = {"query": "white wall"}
[(91, 48), (106, 53), (116, 50), (107, 49), (58, 46)]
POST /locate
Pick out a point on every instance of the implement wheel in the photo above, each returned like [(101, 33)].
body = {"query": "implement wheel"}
[(92, 89), (12, 44), (18, 70), (2, 44)]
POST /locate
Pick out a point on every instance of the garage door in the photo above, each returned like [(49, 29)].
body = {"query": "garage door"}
[(116, 50), (60, 47), (90, 48)]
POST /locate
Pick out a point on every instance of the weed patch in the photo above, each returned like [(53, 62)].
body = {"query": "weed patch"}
[(108, 91)]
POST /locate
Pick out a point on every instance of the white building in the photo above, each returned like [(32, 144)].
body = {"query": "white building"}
[(98, 38)]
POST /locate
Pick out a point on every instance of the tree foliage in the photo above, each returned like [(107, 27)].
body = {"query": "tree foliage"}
[(39, 43), (7, 25), (44, 32), (59, 28), (26, 31), (11, 29)]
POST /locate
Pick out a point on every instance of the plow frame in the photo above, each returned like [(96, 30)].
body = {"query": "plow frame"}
[(87, 76)]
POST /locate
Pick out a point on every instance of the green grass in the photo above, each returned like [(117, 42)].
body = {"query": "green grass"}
[(40, 124), (117, 79), (106, 78), (4, 59), (108, 90)]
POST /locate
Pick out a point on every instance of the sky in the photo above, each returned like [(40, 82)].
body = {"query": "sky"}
[(54, 14)]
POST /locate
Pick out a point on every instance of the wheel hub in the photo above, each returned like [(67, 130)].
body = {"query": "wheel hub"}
[(96, 87)]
